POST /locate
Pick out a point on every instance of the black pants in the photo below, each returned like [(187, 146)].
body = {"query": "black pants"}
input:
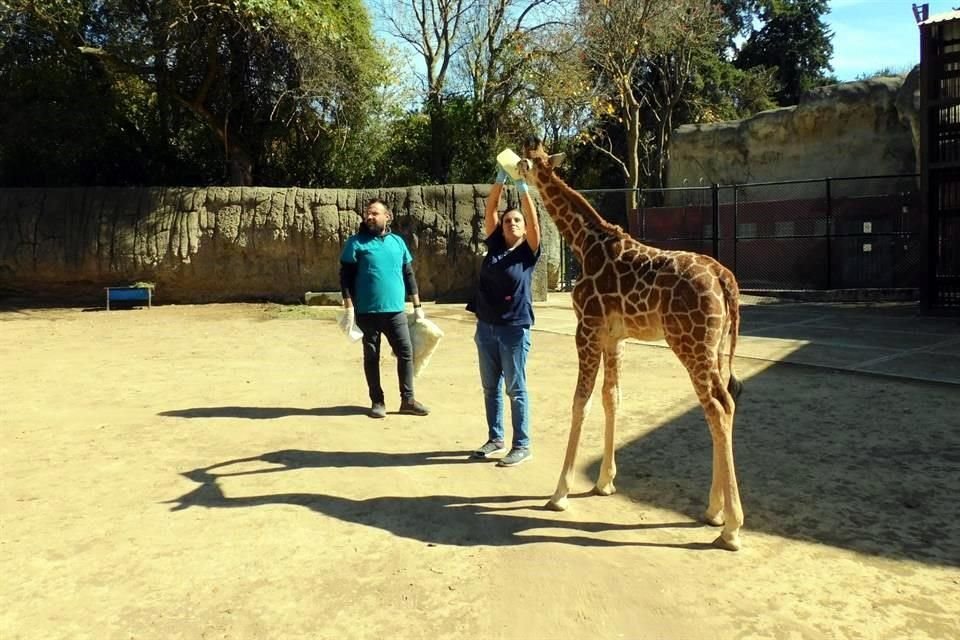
[(394, 327)]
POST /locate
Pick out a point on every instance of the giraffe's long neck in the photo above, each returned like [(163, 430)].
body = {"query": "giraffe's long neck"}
[(578, 222)]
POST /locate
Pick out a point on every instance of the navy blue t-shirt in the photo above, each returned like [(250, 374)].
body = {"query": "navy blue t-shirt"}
[(504, 294)]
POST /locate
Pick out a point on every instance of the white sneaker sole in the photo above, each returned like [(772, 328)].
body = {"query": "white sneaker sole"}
[(513, 464)]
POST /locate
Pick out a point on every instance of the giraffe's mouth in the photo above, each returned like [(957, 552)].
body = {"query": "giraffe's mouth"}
[(524, 166)]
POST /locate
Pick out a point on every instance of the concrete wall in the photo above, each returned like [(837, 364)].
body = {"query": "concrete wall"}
[(860, 128), (221, 244)]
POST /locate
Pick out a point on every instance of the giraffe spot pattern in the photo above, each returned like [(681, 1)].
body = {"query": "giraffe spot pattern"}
[(627, 288)]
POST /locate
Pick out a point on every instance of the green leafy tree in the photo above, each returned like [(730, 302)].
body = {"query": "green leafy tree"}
[(432, 29), (475, 60), (795, 41), (508, 43), (738, 17), (887, 71), (277, 87), (642, 54), (720, 91)]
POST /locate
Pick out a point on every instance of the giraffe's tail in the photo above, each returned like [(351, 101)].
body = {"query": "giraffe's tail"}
[(731, 297)]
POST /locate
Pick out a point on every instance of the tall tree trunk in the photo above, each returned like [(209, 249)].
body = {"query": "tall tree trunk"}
[(439, 144), (240, 166), (633, 155)]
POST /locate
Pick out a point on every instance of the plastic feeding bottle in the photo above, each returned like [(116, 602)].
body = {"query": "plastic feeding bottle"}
[(509, 161)]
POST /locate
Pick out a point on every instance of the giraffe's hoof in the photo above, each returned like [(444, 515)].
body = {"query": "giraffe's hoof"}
[(715, 520), (557, 504), (604, 489), (728, 544)]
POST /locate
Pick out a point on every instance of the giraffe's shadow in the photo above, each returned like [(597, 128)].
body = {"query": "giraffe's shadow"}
[(436, 519), (817, 460)]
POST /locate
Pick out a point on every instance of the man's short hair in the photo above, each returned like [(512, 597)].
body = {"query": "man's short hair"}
[(381, 202)]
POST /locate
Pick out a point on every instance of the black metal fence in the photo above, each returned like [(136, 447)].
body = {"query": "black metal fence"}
[(830, 233)]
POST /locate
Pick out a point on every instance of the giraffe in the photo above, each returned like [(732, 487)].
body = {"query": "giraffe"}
[(630, 290)]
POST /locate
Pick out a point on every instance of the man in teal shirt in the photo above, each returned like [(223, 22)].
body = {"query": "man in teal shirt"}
[(376, 276)]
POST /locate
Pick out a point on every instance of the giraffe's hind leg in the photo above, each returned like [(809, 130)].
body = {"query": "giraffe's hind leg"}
[(724, 506), (714, 513)]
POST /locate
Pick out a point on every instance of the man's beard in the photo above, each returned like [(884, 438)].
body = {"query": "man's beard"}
[(374, 228)]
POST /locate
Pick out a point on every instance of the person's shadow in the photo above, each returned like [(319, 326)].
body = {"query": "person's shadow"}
[(442, 519), (264, 413)]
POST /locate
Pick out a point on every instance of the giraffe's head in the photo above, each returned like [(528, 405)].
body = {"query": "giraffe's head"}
[(537, 165)]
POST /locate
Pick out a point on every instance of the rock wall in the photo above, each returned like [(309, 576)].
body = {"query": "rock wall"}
[(221, 244), (863, 128)]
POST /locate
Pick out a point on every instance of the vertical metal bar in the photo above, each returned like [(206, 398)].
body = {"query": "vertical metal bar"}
[(928, 290), (715, 210), (643, 216), (563, 258), (829, 234), (736, 230)]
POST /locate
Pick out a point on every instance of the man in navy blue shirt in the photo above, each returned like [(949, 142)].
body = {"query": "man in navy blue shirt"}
[(503, 305), (376, 276)]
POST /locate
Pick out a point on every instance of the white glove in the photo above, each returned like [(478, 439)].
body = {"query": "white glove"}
[(418, 313), (346, 320)]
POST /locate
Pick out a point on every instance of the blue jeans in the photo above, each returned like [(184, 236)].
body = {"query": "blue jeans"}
[(503, 358)]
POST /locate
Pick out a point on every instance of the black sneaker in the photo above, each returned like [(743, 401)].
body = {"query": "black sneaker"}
[(488, 449), (515, 457), (413, 408), (378, 410)]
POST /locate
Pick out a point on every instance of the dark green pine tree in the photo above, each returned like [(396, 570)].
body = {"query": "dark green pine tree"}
[(794, 40)]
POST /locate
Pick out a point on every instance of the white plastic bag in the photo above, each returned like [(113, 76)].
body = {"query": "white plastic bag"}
[(425, 336), (348, 325)]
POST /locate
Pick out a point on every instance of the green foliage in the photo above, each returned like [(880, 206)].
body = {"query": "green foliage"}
[(282, 92), (406, 160), (885, 72), (721, 91), (795, 41), (166, 92)]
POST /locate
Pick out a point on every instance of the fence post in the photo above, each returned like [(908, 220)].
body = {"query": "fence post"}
[(829, 234), (736, 230), (715, 210), (643, 215), (563, 266)]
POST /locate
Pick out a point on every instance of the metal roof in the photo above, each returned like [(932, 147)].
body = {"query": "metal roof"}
[(942, 17)]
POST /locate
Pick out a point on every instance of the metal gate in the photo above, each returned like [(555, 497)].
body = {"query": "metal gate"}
[(940, 154)]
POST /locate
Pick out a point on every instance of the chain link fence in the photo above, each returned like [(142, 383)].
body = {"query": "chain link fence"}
[(831, 233)]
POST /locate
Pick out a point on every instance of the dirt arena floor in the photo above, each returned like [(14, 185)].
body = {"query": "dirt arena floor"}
[(208, 472)]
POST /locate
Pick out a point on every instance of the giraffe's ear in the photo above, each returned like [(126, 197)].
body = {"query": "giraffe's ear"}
[(556, 159)]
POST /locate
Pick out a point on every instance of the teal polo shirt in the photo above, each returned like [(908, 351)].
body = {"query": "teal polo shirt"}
[(379, 260)]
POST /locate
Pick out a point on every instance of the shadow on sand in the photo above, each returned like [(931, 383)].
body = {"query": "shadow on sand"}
[(855, 461), (446, 520), (264, 413), (861, 462)]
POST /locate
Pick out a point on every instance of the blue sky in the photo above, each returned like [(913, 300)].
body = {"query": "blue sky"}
[(869, 35)]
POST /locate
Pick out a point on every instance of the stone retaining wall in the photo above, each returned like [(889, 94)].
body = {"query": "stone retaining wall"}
[(221, 244)]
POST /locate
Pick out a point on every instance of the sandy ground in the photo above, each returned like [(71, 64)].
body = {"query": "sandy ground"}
[(207, 472)]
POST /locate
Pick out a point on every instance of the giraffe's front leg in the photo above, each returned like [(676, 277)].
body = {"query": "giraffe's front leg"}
[(559, 501), (589, 357), (612, 358)]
